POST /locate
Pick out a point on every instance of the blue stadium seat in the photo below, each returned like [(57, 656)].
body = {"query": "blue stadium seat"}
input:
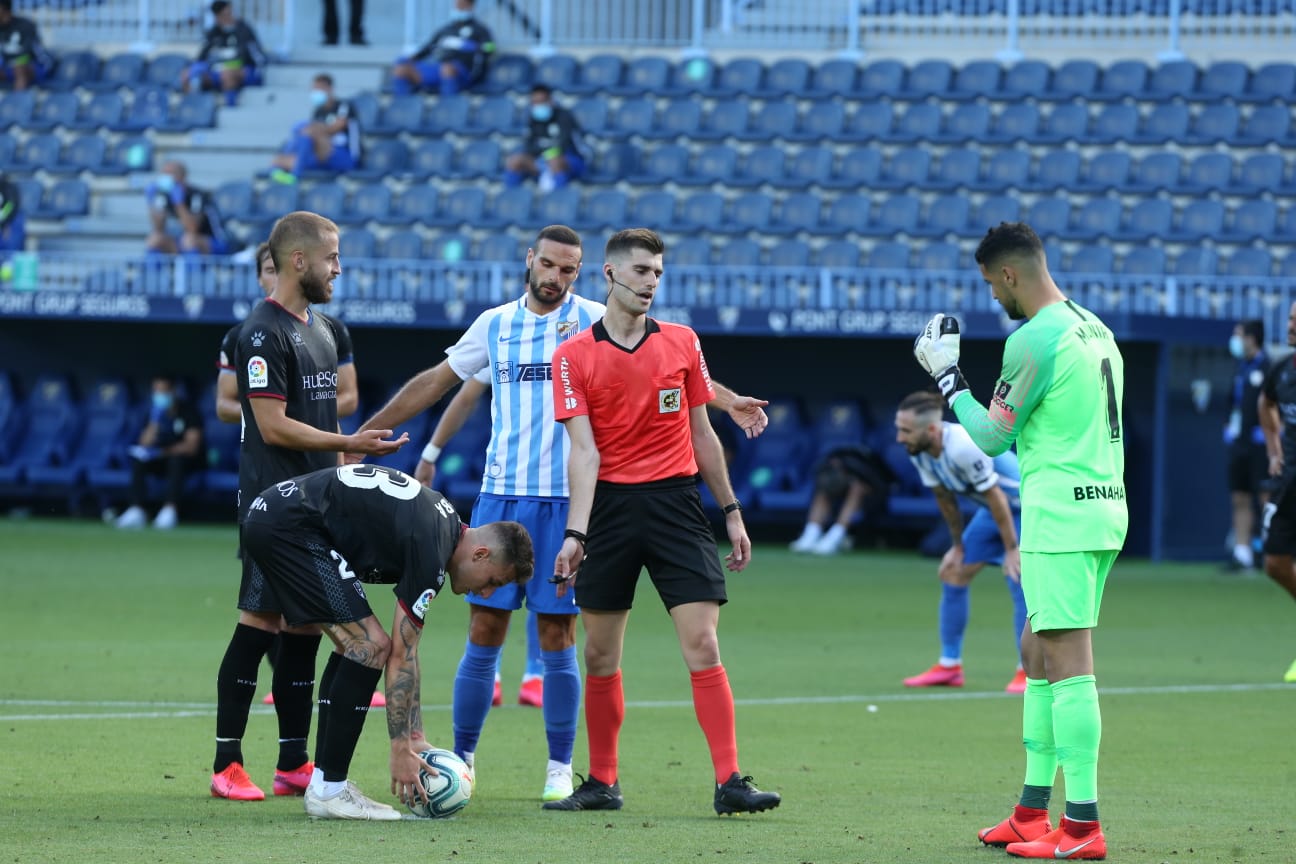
[(17, 108), (52, 422), (889, 255), (1097, 219), (509, 208), (921, 121), (1223, 79), (664, 164), (1148, 219), (1098, 260), (1017, 122), (31, 193), (104, 109), (503, 246), (1143, 261), (1050, 217), (508, 73), (434, 157), (701, 211), (789, 253), (1260, 173), (681, 121), (727, 119), (1287, 267), (164, 71), (839, 255), (1254, 219), (1008, 168), (882, 78), (558, 72), (822, 121), (1201, 219), (275, 200), (8, 147), (357, 243), (1156, 172), (12, 417), (449, 247), (559, 207), (946, 215), (1217, 123), (36, 152), (369, 203), (1207, 172), (644, 76), (192, 111), (417, 205), (750, 211), (606, 209), (738, 77), (366, 108), (870, 121), (858, 168), (1174, 80), (938, 256), (1167, 121), (1118, 121), (100, 443), (928, 78), (811, 166), (235, 200), (327, 199), (634, 117), (1124, 79), (119, 71), (799, 212), (58, 109), (958, 169), (967, 122), (602, 73), (1266, 124), (613, 163), (1056, 170), (495, 115), (481, 159), (834, 78), (977, 79), (773, 121), (691, 252), (653, 208), (1195, 260), (592, 114), (739, 252), (131, 153), (1272, 82), (1248, 263), (692, 76), (460, 206), (402, 114), (1073, 79), (406, 245), (150, 107), (383, 159), (1107, 171), (761, 166), (851, 215), (788, 76), (907, 167), (75, 69), (838, 423), (65, 198), (1067, 121), (83, 153), (1026, 79), (445, 115)]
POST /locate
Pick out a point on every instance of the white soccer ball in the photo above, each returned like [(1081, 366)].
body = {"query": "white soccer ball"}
[(449, 790)]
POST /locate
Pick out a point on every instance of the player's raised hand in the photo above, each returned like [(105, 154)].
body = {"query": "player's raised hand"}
[(937, 350), (748, 413), (376, 442), (425, 472)]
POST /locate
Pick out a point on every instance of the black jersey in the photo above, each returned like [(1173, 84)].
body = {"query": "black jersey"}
[(391, 529), (341, 336), (1280, 388), (561, 133), (467, 42), (19, 40), (236, 46), (280, 356)]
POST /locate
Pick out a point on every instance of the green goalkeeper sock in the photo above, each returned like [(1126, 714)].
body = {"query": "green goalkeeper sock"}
[(1077, 729), (1037, 735)]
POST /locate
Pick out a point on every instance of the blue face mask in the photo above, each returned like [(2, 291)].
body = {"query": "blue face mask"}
[(318, 98), (1235, 346), (542, 112), (164, 182), (162, 402)]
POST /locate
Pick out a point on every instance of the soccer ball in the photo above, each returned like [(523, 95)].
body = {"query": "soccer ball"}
[(448, 791)]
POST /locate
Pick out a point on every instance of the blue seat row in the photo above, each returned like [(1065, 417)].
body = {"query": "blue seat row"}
[(51, 153), (153, 108), (124, 71)]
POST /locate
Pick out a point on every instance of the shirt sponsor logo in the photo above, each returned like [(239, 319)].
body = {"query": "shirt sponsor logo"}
[(1111, 492), (420, 606), (258, 373), (507, 372), (1000, 399), (564, 375), (668, 401), (258, 504), (323, 380)]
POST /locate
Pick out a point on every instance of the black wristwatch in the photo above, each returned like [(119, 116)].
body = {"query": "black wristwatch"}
[(729, 508)]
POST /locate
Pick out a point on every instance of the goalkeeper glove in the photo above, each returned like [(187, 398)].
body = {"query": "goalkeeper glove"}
[(937, 351)]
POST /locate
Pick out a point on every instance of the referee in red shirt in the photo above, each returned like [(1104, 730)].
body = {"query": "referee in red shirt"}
[(632, 393)]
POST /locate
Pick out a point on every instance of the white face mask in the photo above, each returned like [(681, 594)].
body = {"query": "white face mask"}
[(1235, 346)]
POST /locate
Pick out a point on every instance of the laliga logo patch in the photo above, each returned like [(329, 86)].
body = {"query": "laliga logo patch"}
[(668, 401), (258, 373), (421, 604)]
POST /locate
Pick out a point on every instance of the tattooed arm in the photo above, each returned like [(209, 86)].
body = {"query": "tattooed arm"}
[(404, 713)]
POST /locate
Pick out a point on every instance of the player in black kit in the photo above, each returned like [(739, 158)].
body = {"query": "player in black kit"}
[(1278, 420), (316, 539), (286, 363)]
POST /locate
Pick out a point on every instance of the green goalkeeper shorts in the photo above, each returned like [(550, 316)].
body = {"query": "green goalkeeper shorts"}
[(1064, 590)]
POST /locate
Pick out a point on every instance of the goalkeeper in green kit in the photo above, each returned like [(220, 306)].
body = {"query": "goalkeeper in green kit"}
[(1059, 398)]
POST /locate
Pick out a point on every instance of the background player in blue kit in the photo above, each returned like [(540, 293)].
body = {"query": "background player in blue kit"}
[(950, 464)]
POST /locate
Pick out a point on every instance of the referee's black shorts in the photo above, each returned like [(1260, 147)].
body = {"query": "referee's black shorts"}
[(660, 526)]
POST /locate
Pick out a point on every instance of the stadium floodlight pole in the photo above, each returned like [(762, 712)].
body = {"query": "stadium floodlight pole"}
[(1012, 52)]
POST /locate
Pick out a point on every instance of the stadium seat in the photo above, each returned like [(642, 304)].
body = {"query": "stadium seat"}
[(150, 107), (1073, 79), (644, 76), (907, 167), (838, 423), (834, 78), (739, 252), (8, 148), (926, 79), (1286, 268), (1066, 121), (560, 207), (1207, 172), (1201, 219), (1195, 260), (83, 153), (1098, 260), (365, 107), (494, 115), (870, 121), (633, 118), (822, 121), (383, 159), (503, 246), (613, 163), (74, 69), (602, 73), (1116, 122), (510, 208), (938, 256), (106, 416), (748, 212), (762, 165), (1266, 124), (192, 111), (681, 121), (798, 212), (1017, 122), (839, 255), (772, 122), (1176, 79), (881, 79), (65, 198), (1107, 171), (1223, 79), (727, 119), (592, 115), (851, 215), (327, 199), (946, 215), (404, 245), (1055, 171), (1254, 219), (431, 158), (508, 73), (664, 164), (1124, 79), (966, 123), (275, 200), (480, 159), (1143, 261), (1167, 121), (56, 110), (653, 208), (403, 114), (921, 121), (811, 166), (445, 115), (103, 110), (994, 210), (1097, 219), (450, 247), (957, 169), (1026, 79), (691, 252), (52, 422), (31, 193), (357, 243), (1248, 263), (1155, 172), (17, 108), (164, 71), (692, 76), (1272, 82), (369, 203), (738, 77), (605, 210), (1008, 168), (788, 76), (977, 79), (36, 152), (119, 71), (701, 211), (417, 205), (1217, 123), (235, 200), (460, 206), (789, 253), (889, 255), (1148, 219), (1259, 173), (1050, 217), (558, 72)]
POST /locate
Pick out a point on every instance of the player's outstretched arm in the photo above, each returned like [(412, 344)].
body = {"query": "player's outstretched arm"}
[(404, 716), (455, 416), (418, 394), (746, 411), (715, 473)]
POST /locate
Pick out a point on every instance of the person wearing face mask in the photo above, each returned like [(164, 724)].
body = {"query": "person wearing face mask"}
[(554, 151), (1248, 466), (230, 59), (454, 59), (170, 446), (202, 231), (24, 60), (329, 141)]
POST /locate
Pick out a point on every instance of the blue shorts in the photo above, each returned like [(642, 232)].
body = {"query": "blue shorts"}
[(982, 543), (545, 519), (430, 75)]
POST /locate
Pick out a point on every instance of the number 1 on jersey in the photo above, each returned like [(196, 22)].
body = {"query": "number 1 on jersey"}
[(1113, 407)]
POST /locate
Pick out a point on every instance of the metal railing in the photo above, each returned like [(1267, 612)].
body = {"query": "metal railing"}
[(144, 24)]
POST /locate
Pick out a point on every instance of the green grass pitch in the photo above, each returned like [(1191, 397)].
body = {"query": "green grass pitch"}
[(110, 644)]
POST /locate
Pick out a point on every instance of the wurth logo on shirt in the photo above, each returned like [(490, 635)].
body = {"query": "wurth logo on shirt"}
[(564, 375)]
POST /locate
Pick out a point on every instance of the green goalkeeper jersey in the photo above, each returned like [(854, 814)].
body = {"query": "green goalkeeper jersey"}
[(1059, 397)]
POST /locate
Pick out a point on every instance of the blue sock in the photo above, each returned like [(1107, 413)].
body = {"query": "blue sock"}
[(562, 692), (474, 685), (953, 618), (231, 98), (534, 661), (512, 179), (1019, 610), (401, 87)]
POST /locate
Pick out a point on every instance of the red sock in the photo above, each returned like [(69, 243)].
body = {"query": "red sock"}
[(604, 713), (714, 705), (1027, 814)]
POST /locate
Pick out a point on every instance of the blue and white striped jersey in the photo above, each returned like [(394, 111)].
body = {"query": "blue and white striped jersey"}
[(964, 470), (527, 454)]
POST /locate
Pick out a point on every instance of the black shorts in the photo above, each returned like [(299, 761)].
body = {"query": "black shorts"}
[(657, 525), (295, 570), (1248, 468)]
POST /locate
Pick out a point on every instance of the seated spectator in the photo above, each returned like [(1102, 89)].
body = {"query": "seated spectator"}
[(13, 230), (459, 53), (329, 141), (858, 478), (23, 59), (231, 57), (553, 151), (202, 231), (170, 445)]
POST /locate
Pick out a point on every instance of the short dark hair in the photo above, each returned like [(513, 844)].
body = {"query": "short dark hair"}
[(6, 5), (295, 230), (559, 234), (262, 255), (541, 88), (219, 6), (513, 543), (1254, 328), (923, 402), (634, 238), (324, 78), (1008, 238)]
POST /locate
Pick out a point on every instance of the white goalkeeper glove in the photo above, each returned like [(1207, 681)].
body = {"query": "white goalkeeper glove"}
[(937, 351)]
